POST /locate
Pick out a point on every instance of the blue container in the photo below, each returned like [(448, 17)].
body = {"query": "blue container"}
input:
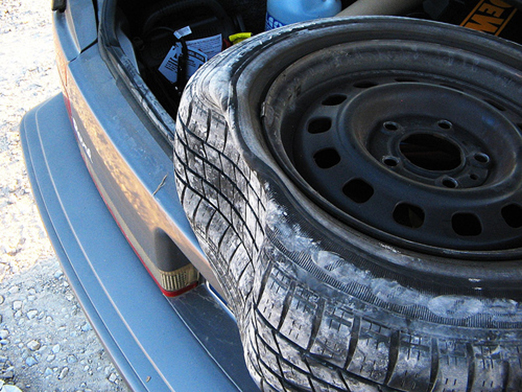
[(284, 12)]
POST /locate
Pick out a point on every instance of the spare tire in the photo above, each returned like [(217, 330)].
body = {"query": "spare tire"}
[(356, 187)]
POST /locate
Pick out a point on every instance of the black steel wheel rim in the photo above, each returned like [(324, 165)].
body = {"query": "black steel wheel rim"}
[(415, 143)]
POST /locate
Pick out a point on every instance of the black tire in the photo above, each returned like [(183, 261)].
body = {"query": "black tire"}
[(324, 299)]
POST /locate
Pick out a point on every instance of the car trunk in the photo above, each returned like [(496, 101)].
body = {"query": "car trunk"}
[(139, 39)]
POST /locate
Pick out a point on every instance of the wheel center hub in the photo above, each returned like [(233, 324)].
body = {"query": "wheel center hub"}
[(427, 133), (431, 152)]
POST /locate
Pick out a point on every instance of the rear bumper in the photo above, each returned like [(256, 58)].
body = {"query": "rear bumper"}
[(183, 344)]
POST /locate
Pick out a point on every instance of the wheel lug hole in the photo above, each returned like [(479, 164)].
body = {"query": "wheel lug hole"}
[(390, 161), (445, 125), (391, 126), (482, 158), (449, 182)]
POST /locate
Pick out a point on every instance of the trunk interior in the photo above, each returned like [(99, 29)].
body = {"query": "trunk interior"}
[(146, 33), (165, 53), (147, 36)]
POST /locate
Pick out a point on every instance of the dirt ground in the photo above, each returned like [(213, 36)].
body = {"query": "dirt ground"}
[(46, 343)]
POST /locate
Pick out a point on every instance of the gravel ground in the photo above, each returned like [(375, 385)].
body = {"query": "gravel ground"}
[(46, 343)]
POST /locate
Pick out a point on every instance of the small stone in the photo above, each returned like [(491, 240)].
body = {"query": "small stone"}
[(14, 290), (11, 388), (32, 314), (71, 359), (2, 299), (86, 327), (48, 372), (4, 342), (56, 348), (58, 274), (112, 378), (4, 333), (17, 305), (34, 345), (51, 357), (31, 361), (63, 373)]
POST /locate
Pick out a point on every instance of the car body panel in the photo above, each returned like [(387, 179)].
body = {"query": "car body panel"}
[(131, 168), (188, 343)]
